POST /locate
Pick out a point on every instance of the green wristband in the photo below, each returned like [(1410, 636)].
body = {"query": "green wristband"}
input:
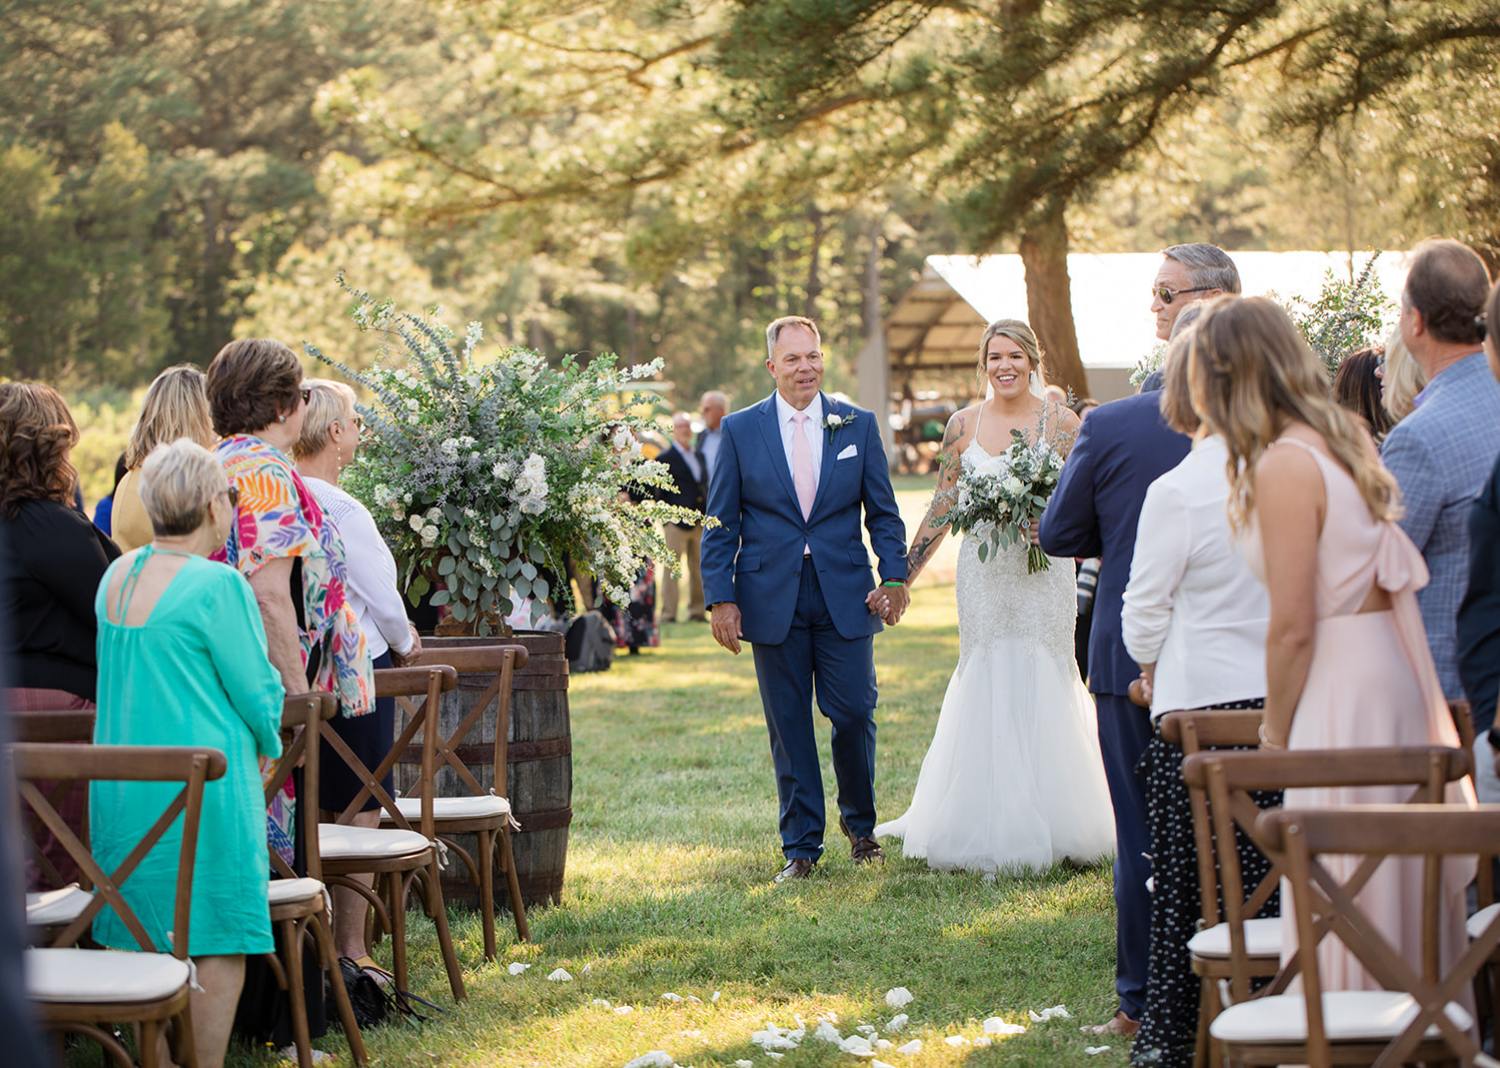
[(894, 582)]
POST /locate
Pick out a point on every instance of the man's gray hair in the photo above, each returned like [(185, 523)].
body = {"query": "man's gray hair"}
[(716, 396), (1208, 266), (1186, 318), (778, 325)]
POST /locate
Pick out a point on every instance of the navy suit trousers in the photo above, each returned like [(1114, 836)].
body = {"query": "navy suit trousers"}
[(1124, 730), (843, 671)]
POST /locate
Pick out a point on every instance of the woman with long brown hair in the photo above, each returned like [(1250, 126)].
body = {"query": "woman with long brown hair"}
[(1347, 662)]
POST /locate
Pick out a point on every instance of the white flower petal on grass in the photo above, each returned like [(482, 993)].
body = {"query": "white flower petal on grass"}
[(881, 1064), (898, 1023), (883, 1044), (956, 1040), (828, 1033), (657, 1058), (1094, 1051), (623, 1010), (1057, 1012), (695, 1000), (982, 1040), (797, 1035), (587, 969), (857, 1045), (898, 997), (774, 1055), (600, 1003), (996, 1026), (773, 1038), (671, 997), (866, 1030), (744, 1064), (516, 967), (560, 976), (914, 1046), (715, 998)]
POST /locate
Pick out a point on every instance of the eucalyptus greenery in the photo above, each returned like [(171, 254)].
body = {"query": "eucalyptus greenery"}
[(1345, 316), (488, 471)]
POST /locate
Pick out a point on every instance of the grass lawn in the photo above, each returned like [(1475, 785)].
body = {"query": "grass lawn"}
[(668, 890)]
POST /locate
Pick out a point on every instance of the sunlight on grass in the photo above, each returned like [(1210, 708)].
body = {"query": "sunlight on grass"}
[(668, 891)]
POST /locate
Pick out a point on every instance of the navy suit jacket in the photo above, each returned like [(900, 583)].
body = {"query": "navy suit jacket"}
[(1122, 448), (754, 557)]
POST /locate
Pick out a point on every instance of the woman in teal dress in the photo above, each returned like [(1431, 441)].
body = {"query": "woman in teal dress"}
[(183, 661)]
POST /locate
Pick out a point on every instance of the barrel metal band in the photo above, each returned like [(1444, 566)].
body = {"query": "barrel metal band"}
[(546, 820)]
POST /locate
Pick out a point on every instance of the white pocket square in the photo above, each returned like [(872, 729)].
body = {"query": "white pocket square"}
[(849, 450)]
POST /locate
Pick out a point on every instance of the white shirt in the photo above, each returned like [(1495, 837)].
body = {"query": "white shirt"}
[(708, 445), (1192, 605), (371, 587), (813, 429), (690, 458)]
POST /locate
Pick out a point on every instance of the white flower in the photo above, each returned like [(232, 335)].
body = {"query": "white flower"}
[(898, 997), (434, 514), (517, 967), (501, 470), (898, 1023), (449, 449), (414, 419), (560, 976), (956, 1040), (429, 536), (412, 405), (416, 523), (996, 1026), (1013, 486), (914, 1046)]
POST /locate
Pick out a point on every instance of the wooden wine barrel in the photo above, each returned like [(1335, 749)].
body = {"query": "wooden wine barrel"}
[(539, 759)]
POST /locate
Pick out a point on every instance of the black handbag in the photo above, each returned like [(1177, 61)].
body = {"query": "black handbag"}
[(374, 1004)]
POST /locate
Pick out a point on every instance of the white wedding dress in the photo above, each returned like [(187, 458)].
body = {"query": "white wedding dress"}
[(1013, 779)]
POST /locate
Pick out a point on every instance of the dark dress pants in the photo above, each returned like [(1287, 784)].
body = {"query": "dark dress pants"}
[(1124, 730), (843, 672)]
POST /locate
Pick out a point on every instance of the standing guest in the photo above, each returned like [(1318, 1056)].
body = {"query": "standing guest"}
[(1357, 389), (685, 465), (1347, 663), (1122, 448), (1442, 454), (330, 436), (1401, 378), (49, 575), (713, 407), (104, 510), (182, 661), (175, 407), (1478, 630), (1194, 618), (785, 570)]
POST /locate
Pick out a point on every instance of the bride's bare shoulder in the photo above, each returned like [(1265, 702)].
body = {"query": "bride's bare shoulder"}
[(960, 430)]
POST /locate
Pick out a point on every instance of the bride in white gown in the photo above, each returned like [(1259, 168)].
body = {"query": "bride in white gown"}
[(1013, 779)]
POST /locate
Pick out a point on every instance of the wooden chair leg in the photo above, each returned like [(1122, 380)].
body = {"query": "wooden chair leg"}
[(296, 992), (445, 937), (323, 939), (396, 904), (513, 884), (1200, 1043), (485, 871), (149, 1052)]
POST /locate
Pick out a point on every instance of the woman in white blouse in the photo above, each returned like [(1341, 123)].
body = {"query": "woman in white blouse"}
[(1195, 620), (330, 435)]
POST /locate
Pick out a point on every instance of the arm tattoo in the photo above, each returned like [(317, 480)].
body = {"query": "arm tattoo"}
[(954, 432), (920, 551)]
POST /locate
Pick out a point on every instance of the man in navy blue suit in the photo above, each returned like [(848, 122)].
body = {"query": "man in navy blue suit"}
[(1122, 447), (787, 571)]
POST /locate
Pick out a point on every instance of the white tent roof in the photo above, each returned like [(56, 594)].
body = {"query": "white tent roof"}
[(1111, 298)]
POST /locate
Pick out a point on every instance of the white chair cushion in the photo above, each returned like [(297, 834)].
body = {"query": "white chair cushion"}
[(286, 891), (1348, 1015), (336, 841), (1476, 925), (1262, 939), (53, 907), (454, 808), (89, 976)]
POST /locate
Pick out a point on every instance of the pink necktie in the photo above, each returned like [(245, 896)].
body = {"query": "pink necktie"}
[(802, 466)]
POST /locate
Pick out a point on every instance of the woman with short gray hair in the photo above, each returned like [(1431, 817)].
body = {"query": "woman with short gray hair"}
[(183, 661)]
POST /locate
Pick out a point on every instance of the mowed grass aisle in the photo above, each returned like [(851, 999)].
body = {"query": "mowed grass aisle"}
[(668, 890)]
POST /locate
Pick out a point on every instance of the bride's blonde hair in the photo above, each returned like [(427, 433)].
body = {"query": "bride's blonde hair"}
[(1252, 374)]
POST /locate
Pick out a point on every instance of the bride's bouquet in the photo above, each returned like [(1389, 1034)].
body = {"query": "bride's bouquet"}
[(1007, 493)]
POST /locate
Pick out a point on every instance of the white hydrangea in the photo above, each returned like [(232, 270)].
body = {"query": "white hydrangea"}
[(384, 494)]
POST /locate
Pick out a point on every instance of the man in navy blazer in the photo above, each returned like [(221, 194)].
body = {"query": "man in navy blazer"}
[(787, 571)]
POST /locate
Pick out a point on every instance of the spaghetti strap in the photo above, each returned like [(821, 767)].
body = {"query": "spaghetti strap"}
[(979, 421), (127, 588)]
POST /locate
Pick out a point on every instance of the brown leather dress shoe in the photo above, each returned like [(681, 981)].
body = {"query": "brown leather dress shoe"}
[(796, 868), (863, 849), (1120, 1025)]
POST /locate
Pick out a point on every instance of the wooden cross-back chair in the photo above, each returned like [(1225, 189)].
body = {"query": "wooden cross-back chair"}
[(395, 854), (1228, 780), (1417, 1016), (49, 912), (81, 990), (486, 814), (299, 904)]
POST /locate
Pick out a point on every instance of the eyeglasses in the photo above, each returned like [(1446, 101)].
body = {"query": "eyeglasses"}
[(1480, 326), (233, 493), (306, 392), (1166, 296), (358, 421)]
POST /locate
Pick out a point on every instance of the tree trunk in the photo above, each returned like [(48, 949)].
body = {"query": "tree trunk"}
[(1049, 298)]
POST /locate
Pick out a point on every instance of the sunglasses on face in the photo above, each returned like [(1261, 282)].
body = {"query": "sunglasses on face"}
[(1481, 327), (233, 493), (306, 392), (1166, 296)]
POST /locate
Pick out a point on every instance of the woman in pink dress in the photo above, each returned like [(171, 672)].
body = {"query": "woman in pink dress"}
[(1347, 663)]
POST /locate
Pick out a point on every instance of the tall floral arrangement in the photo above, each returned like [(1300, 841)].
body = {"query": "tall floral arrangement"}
[(487, 471)]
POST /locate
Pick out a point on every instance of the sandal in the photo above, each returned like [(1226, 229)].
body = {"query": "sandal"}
[(367, 965)]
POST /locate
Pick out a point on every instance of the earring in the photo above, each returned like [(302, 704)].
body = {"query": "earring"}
[(280, 418)]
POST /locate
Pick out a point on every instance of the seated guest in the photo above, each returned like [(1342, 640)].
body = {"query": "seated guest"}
[(1401, 379), (104, 510), (182, 661), (175, 407), (1356, 388), (1347, 661), (330, 435), (49, 576), (1194, 618)]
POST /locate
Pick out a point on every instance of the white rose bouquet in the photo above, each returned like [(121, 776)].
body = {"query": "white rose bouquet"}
[(1001, 499), (487, 471)]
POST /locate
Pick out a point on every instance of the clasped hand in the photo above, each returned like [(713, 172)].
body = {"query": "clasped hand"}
[(888, 602)]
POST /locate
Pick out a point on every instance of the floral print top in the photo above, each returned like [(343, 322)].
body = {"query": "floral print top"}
[(279, 517)]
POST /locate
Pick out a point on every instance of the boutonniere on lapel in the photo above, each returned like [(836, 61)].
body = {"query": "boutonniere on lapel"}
[(833, 422)]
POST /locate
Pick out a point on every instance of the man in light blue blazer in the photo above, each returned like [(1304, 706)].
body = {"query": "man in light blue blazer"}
[(787, 571), (1442, 454)]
